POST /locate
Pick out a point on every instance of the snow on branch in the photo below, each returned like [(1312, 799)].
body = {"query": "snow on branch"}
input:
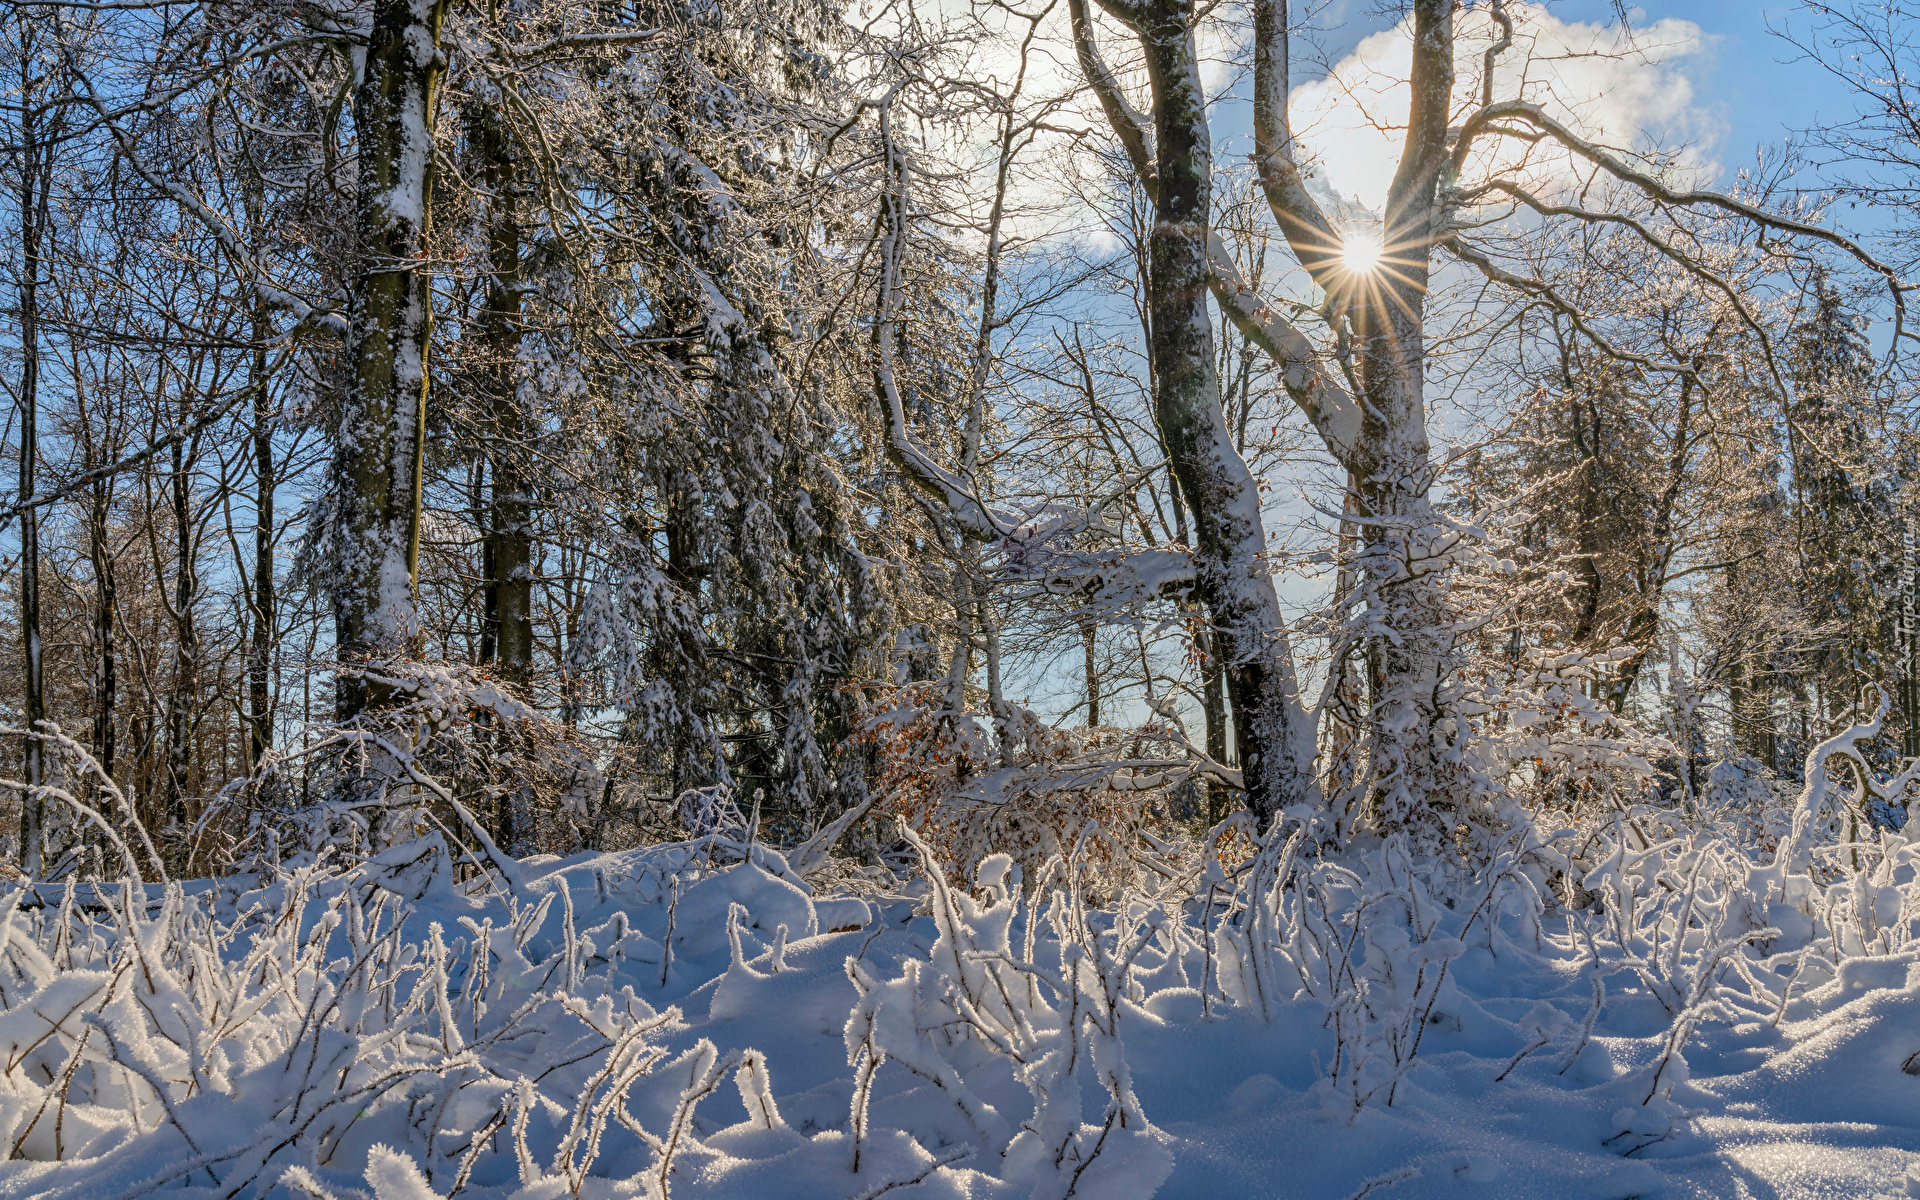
[(1796, 851)]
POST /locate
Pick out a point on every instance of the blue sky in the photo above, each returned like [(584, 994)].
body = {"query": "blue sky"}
[(1745, 77)]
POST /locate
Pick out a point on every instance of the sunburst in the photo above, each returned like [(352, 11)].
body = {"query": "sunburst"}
[(1361, 252)]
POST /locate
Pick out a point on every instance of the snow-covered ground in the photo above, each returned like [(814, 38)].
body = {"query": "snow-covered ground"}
[(658, 1007)]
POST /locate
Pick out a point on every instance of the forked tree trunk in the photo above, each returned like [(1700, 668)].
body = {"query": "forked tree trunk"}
[(383, 423), (1232, 570), (1391, 457), (1379, 436)]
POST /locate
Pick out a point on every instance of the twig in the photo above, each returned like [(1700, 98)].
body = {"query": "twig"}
[(1385, 1181), (1586, 1027), (953, 1154)]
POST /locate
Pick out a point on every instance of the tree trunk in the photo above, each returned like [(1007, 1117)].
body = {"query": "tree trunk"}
[(482, 514), (507, 546), (1909, 640), (1644, 626), (1213, 704), (1390, 459), (1222, 497), (1232, 576), (260, 655), (383, 423), (105, 602), (185, 693), (1093, 674), (509, 538), (35, 178)]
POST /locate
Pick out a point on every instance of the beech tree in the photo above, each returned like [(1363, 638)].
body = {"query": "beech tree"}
[(1469, 154)]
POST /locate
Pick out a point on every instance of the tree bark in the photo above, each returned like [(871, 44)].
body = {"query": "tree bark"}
[(381, 438), (1382, 440), (261, 597), (509, 546)]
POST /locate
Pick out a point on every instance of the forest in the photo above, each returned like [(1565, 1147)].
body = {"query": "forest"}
[(982, 599)]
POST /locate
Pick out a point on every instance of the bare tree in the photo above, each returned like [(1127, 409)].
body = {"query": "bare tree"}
[(39, 117), (1363, 384)]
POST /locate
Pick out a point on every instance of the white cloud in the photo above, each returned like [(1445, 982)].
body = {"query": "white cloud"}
[(1617, 87)]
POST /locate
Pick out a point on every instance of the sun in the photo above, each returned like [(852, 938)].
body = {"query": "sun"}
[(1361, 252)]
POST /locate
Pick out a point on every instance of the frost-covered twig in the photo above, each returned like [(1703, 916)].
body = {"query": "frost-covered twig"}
[(946, 1158), (1386, 1180), (1586, 1026)]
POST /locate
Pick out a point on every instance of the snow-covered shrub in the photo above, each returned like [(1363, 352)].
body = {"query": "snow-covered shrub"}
[(1742, 802), (301, 1031), (633, 1024), (1680, 915), (453, 750), (1031, 795), (1867, 801), (1366, 939), (710, 810), (1059, 1021)]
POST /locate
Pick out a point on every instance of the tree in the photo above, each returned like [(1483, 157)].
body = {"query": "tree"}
[(37, 135), (382, 432), (1363, 385), (1842, 505)]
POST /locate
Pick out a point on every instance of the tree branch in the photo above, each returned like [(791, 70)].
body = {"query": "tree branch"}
[(1335, 415), (1658, 243), (1560, 304), (252, 273), (1135, 134), (179, 434), (962, 504), (1482, 120), (1314, 241)]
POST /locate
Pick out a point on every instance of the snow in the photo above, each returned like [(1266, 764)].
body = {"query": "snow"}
[(311, 1033)]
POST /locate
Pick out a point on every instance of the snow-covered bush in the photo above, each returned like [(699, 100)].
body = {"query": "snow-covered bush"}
[(978, 992), (290, 1032), (1031, 794), (453, 749), (1742, 802)]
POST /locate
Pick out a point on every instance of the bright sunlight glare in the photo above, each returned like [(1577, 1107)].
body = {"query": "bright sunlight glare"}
[(1361, 252)]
